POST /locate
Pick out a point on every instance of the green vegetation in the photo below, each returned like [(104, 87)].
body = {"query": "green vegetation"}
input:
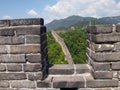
[(76, 43), (55, 54)]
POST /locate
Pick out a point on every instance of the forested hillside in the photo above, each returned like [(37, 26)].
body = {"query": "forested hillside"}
[(76, 43), (55, 54)]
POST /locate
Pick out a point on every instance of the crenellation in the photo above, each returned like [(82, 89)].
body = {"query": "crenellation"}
[(24, 59), (21, 54)]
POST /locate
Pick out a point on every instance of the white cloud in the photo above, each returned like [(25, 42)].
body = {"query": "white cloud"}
[(92, 8), (7, 17), (33, 13)]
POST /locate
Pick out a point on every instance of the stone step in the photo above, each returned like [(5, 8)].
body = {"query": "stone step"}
[(67, 69), (82, 81), (69, 82)]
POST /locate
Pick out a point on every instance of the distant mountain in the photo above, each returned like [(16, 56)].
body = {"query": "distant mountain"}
[(78, 21)]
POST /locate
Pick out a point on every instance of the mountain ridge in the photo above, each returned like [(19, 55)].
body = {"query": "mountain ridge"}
[(77, 21)]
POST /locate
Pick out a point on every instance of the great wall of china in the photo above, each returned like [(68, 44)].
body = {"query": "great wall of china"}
[(24, 63)]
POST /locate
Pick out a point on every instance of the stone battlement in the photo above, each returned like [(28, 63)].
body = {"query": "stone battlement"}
[(24, 60)]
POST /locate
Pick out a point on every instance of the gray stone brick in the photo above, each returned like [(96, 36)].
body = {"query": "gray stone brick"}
[(118, 28), (4, 49), (14, 67), (4, 84), (82, 68), (33, 58), (103, 75), (103, 89), (102, 38), (33, 21), (12, 76), (104, 57), (22, 84), (25, 49), (35, 76), (12, 58), (97, 66), (32, 67), (102, 83), (2, 68), (63, 69), (117, 47), (33, 39), (4, 23), (6, 31), (116, 65), (101, 47), (5, 40), (99, 29), (8, 89), (18, 40), (27, 30), (45, 83), (11, 40), (68, 82)]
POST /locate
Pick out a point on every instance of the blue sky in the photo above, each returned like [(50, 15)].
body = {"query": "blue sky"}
[(57, 9)]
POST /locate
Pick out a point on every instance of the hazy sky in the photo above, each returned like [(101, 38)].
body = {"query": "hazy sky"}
[(57, 9)]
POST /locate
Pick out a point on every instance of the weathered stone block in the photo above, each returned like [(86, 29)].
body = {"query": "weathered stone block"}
[(45, 83), (97, 66), (18, 40), (12, 58), (82, 68), (116, 65), (103, 75), (102, 38), (5, 40), (14, 67), (33, 58), (33, 39), (6, 31), (33, 21), (22, 84), (32, 67), (4, 84), (2, 68), (25, 49), (103, 88), (12, 76), (100, 47), (117, 47), (4, 23), (4, 49), (68, 82), (104, 57), (27, 30), (99, 29), (61, 69), (12, 40), (101, 83), (34, 76), (8, 89), (118, 28)]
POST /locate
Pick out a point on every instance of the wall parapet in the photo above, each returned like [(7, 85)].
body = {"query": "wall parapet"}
[(24, 60), (23, 50), (103, 51)]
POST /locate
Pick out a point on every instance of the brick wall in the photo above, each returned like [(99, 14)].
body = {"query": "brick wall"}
[(24, 64), (23, 53), (103, 51)]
